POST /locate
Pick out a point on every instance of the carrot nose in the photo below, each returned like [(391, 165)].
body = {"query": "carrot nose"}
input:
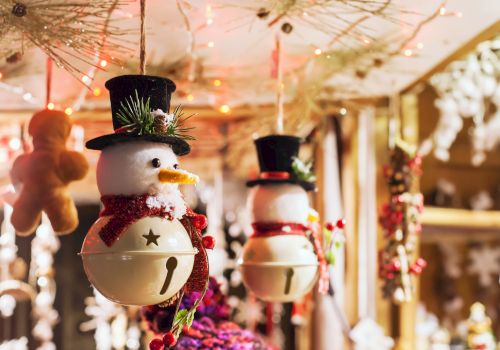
[(176, 176)]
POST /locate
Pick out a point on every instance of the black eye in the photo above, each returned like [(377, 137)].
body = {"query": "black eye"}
[(156, 162), (176, 166)]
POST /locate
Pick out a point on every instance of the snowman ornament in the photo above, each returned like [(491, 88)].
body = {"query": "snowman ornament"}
[(146, 247), (283, 258)]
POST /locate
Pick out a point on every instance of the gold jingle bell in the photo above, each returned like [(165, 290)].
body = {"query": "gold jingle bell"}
[(149, 263), (280, 268)]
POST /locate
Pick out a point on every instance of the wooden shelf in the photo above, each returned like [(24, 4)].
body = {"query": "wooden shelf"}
[(459, 224)]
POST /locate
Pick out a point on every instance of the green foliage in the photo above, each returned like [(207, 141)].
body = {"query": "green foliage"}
[(136, 117), (303, 170)]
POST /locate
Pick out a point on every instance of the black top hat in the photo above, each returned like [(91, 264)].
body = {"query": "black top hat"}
[(125, 88), (276, 154)]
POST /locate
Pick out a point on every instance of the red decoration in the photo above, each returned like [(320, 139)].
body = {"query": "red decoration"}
[(156, 344), (208, 242), (169, 340), (329, 226), (341, 223), (199, 221), (274, 175)]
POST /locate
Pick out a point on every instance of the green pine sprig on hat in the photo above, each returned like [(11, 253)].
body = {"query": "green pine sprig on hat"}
[(136, 117), (303, 170)]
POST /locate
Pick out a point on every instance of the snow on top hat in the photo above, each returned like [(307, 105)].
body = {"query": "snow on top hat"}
[(279, 162), (140, 106)]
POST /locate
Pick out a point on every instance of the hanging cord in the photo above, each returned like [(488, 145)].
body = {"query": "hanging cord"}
[(48, 81), (280, 88), (143, 38)]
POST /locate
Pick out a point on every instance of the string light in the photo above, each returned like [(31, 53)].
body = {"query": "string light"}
[(442, 11), (211, 44), (408, 52), (68, 111), (15, 144), (217, 82), (50, 106), (85, 79), (318, 52), (343, 111), (190, 97), (420, 46), (224, 109), (27, 96), (96, 91), (103, 63), (210, 21)]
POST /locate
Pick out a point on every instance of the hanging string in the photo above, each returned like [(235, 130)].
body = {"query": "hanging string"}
[(143, 38), (48, 81), (279, 93)]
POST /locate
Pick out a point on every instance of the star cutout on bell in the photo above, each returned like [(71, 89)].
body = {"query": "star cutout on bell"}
[(151, 238)]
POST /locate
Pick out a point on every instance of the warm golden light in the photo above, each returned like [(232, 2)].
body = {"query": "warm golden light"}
[(318, 52), (50, 106), (68, 111), (224, 109), (217, 82), (96, 91), (190, 97)]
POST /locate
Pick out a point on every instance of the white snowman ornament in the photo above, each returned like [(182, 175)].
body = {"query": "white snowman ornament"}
[(140, 251), (279, 262)]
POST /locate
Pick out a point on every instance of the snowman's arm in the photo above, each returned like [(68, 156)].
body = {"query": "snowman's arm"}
[(19, 169), (72, 166)]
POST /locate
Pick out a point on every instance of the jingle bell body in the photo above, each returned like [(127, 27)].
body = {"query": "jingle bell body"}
[(148, 265), (279, 262), (280, 268)]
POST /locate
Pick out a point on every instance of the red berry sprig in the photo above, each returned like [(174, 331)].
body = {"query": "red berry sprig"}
[(208, 242), (169, 340)]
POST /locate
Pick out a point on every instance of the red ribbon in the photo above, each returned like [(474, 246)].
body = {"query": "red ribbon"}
[(267, 229), (280, 175)]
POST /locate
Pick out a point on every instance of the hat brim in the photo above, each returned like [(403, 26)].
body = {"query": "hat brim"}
[(179, 146), (308, 186)]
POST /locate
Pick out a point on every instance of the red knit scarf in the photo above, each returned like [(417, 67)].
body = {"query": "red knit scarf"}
[(270, 229), (125, 210)]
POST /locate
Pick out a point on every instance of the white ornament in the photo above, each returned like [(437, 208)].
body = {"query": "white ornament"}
[(148, 264), (485, 262), (368, 335)]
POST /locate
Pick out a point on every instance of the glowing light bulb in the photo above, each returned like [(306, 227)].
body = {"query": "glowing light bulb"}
[(209, 21), (27, 96), (318, 52), (68, 111), (420, 46), (85, 79), (15, 144), (50, 106), (211, 44), (224, 109), (103, 63), (442, 11), (343, 111), (217, 82), (190, 97), (96, 91), (408, 52)]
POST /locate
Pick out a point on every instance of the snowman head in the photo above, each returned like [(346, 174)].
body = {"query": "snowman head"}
[(279, 203), (142, 167)]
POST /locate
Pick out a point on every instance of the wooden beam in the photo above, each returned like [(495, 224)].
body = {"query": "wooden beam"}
[(486, 34)]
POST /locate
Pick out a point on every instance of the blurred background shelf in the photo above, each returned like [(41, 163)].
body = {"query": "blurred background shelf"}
[(459, 224)]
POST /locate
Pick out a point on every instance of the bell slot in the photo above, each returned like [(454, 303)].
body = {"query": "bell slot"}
[(170, 266)]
